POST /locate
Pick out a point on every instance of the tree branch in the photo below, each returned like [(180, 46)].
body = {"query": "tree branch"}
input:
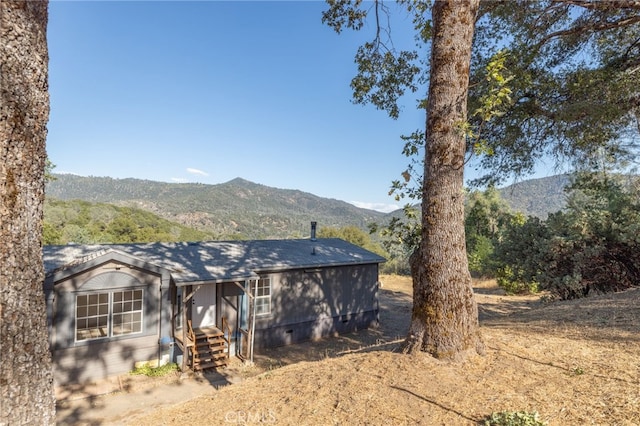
[(602, 5), (595, 26)]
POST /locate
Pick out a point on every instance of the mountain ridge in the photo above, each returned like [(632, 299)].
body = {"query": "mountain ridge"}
[(241, 208), (238, 208)]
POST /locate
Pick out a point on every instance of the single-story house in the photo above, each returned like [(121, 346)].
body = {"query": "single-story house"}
[(111, 306)]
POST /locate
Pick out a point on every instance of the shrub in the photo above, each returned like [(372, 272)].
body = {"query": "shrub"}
[(513, 282), (514, 418), (149, 371)]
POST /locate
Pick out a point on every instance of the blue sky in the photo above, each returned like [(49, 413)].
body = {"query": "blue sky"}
[(209, 91)]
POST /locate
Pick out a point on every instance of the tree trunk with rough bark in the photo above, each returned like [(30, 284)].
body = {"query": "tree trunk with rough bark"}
[(444, 320), (26, 379)]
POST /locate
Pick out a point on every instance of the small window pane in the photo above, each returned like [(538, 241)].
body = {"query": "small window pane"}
[(127, 314), (92, 316)]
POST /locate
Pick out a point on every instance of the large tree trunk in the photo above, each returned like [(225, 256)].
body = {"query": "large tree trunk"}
[(26, 380), (444, 320)]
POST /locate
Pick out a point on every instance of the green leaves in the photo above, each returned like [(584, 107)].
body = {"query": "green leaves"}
[(82, 222), (570, 89), (344, 13), (591, 247), (497, 96), (384, 74), (383, 77)]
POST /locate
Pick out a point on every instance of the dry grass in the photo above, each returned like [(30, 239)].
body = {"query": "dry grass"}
[(576, 363)]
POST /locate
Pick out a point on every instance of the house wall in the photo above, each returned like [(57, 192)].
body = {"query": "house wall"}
[(314, 303), (102, 359), (83, 360)]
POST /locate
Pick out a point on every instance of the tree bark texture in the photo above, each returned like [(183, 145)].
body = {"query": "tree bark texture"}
[(26, 379), (444, 320)]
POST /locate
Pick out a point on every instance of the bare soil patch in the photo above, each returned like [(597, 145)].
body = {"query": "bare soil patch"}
[(576, 363)]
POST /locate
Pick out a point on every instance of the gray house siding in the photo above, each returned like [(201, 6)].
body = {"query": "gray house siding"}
[(78, 359), (308, 304), (102, 359), (317, 288)]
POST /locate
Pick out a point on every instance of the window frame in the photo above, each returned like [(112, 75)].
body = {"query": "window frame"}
[(123, 313), (87, 317), (262, 284), (135, 302)]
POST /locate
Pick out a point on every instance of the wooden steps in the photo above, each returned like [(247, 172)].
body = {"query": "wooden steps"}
[(210, 348)]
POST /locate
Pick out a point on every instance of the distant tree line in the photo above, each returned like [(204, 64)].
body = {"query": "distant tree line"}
[(354, 235), (591, 246), (82, 222)]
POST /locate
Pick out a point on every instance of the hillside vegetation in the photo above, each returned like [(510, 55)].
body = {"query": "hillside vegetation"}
[(82, 222), (537, 197), (235, 209), (243, 209)]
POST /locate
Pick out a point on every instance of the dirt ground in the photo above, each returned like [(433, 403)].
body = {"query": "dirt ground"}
[(575, 363)]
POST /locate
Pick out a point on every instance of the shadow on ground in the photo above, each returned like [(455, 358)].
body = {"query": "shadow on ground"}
[(116, 404)]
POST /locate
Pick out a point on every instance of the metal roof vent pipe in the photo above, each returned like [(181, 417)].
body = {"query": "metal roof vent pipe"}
[(313, 230)]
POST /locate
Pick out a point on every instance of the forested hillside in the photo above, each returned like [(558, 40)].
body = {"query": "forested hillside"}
[(243, 209), (82, 222), (537, 197), (235, 209)]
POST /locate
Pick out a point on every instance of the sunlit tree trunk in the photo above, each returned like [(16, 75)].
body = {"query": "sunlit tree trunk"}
[(444, 319), (26, 384)]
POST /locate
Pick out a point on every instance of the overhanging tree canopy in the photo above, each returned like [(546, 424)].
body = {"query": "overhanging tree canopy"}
[(547, 78), (575, 73)]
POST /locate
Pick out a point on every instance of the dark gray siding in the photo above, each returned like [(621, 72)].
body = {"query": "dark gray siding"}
[(309, 304), (102, 359), (78, 361)]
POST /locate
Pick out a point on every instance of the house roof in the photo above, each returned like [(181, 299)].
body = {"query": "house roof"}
[(217, 261)]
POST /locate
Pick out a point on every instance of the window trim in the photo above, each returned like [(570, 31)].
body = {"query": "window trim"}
[(110, 313)]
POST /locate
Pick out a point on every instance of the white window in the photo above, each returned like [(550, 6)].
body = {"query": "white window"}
[(102, 315), (127, 312), (263, 296), (92, 316)]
